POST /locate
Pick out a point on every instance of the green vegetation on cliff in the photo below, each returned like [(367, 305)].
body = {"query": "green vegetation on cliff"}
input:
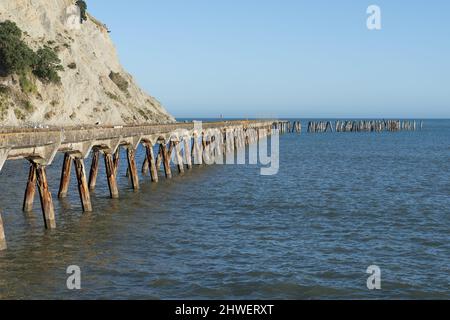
[(47, 65), (83, 10), (119, 80), (16, 57)]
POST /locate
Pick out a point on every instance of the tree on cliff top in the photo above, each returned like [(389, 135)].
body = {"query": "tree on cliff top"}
[(83, 9)]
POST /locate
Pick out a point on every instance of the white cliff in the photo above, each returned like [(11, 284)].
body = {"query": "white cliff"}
[(86, 95)]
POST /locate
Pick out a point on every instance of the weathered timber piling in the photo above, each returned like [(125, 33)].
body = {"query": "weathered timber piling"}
[(320, 126), (187, 153), (159, 159), (197, 150), (48, 210), (151, 162), (3, 245), (94, 170), (80, 171), (329, 127), (116, 160), (207, 145), (65, 176), (145, 166), (203, 149), (297, 127), (281, 126), (83, 187), (37, 176), (111, 175), (30, 189), (132, 169), (362, 126), (178, 156), (165, 160)]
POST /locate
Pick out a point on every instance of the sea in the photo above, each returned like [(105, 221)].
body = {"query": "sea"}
[(344, 211)]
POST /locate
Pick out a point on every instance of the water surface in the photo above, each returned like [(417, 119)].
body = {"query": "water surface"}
[(340, 203)]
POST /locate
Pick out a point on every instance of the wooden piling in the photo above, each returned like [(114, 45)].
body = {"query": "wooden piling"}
[(3, 245), (165, 160), (296, 127), (111, 175), (187, 154), (82, 185), (30, 190), (178, 156), (171, 148), (65, 176), (230, 144), (145, 166), (94, 170), (116, 160), (48, 210), (204, 149), (208, 152), (197, 151), (131, 155), (41, 152), (159, 159), (193, 148), (151, 163), (363, 126)]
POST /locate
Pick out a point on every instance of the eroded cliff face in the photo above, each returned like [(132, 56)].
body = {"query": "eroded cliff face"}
[(87, 95)]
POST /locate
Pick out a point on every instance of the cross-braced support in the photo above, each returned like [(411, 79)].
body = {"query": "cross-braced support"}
[(83, 187)]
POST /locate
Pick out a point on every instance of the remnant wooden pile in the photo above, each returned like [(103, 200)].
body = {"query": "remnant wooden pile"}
[(2, 235), (297, 127), (282, 126), (320, 126), (364, 126)]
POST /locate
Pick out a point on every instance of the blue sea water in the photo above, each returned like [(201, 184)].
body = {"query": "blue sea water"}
[(340, 203)]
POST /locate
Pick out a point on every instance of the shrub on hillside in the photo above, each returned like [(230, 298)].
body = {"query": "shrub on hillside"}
[(120, 81), (15, 55), (17, 58), (26, 83), (47, 65)]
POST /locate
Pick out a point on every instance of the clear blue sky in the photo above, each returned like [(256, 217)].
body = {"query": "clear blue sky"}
[(255, 58)]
